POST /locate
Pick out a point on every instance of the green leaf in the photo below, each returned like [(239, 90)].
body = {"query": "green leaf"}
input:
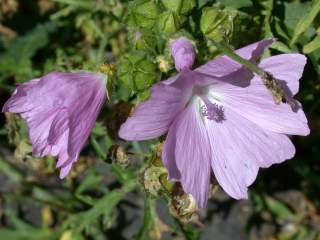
[(10, 171), (90, 181), (306, 20), (179, 6), (16, 60), (279, 209), (23, 230), (236, 3), (104, 206), (293, 12), (136, 71), (168, 22), (143, 40), (33, 234), (281, 47), (143, 14), (216, 24), (77, 3), (312, 46), (100, 151), (267, 12)]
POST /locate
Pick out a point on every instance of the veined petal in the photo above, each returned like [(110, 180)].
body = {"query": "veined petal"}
[(60, 124), (39, 125), (60, 110), (19, 101), (255, 103), (187, 153), (224, 66), (65, 170), (239, 148), (83, 116), (287, 68), (152, 118)]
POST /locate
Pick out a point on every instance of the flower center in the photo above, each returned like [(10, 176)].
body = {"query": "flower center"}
[(212, 111)]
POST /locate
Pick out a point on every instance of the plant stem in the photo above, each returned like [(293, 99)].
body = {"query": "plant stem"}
[(230, 53), (148, 219)]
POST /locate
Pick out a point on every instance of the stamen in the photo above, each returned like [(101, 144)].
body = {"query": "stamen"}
[(212, 111)]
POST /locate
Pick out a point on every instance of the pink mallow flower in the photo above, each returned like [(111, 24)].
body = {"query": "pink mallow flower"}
[(60, 110), (222, 120)]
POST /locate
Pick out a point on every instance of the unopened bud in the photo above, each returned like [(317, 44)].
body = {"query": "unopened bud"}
[(183, 53)]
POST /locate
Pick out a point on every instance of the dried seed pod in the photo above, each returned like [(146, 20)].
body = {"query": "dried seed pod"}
[(150, 180), (118, 154), (182, 205)]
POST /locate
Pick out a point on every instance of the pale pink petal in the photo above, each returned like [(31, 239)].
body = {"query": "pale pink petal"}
[(65, 170), (60, 110), (19, 101), (239, 148), (39, 128), (255, 103), (152, 118), (224, 66), (187, 154), (287, 68)]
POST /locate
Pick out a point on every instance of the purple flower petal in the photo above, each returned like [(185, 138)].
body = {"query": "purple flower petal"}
[(255, 103), (286, 67), (187, 153), (222, 116), (65, 170), (229, 69), (239, 148), (183, 53), (152, 118), (60, 110)]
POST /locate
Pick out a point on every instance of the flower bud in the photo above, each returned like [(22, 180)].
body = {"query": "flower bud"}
[(183, 53)]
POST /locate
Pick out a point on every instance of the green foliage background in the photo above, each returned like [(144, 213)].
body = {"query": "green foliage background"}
[(40, 36)]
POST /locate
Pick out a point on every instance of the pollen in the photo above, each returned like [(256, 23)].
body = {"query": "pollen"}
[(213, 111)]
